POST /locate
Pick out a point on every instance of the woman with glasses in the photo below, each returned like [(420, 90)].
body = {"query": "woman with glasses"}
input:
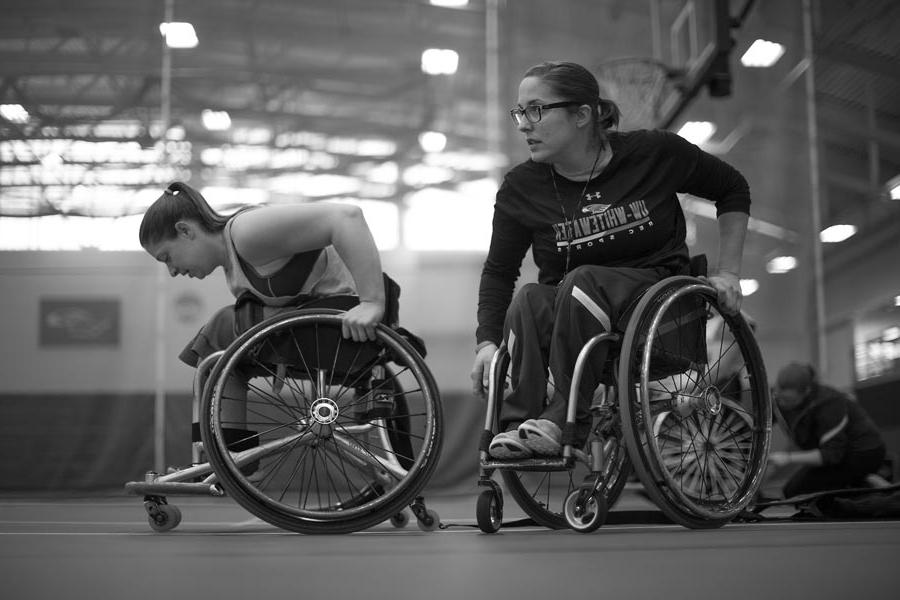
[(599, 211)]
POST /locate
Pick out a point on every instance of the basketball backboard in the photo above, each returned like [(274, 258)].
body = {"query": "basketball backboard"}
[(690, 41)]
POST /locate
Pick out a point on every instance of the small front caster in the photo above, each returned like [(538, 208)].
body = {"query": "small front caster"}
[(585, 509), (489, 511)]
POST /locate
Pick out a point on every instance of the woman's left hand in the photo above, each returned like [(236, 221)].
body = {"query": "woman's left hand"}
[(728, 287), (359, 322)]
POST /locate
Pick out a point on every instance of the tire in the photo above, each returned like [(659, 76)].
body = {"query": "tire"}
[(348, 433), (694, 401)]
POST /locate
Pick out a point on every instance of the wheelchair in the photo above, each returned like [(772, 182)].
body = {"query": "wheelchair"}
[(338, 436), (683, 403)]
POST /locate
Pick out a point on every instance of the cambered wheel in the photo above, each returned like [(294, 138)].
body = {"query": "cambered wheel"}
[(339, 435), (694, 402)]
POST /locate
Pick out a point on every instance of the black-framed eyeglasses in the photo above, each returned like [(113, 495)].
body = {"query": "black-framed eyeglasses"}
[(532, 112)]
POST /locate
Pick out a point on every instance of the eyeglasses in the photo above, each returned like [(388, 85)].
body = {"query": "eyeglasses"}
[(532, 112)]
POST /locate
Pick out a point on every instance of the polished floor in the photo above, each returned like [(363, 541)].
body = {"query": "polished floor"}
[(102, 547)]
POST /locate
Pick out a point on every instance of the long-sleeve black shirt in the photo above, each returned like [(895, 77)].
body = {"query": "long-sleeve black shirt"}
[(629, 215), (834, 423)]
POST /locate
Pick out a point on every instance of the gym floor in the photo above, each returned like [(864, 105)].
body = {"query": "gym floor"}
[(102, 547)]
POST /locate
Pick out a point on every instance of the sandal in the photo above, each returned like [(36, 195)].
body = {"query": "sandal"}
[(542, 436), (507, 445)]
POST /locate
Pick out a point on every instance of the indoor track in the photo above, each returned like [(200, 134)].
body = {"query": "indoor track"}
[(103, 548)]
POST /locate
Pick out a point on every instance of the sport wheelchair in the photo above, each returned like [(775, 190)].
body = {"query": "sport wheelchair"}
[(339, 435), (683, 401)]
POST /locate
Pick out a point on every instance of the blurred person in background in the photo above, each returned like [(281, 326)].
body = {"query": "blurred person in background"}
[(838, 444)]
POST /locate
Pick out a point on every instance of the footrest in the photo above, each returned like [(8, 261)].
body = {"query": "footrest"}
[(529, 464), (173, 488)]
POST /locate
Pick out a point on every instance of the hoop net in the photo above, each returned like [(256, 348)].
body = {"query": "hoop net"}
[(638, 86)]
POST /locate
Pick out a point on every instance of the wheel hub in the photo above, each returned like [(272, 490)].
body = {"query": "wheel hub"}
[(324, 411), (712, 398)]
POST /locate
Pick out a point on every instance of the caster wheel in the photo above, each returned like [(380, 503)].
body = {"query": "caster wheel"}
[(400, 520), (163, 517), (488, 512), (429, 521), (585, 510)]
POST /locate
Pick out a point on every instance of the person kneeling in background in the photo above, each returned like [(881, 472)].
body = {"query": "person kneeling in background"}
[(839, 445)]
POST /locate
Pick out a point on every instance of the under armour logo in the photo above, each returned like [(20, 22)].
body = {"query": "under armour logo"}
[(593, 196)]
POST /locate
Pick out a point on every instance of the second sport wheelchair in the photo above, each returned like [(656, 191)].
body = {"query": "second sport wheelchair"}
[(683, 401), (339, 435)]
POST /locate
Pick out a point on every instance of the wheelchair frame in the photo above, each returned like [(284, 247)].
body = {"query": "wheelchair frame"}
[(630, 414), (316, 424)]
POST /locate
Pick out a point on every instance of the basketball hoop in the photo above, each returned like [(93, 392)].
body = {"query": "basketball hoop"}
[(638, 86)]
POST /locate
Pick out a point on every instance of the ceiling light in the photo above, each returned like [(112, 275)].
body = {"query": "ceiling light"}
[(179, 35), (749, 286), (216, 120), (439, 62), (897, 300), (890, 334), (762, 54), (449, 3), (432, 141), (837, 233), (781, 264), (893, 188), (697, 132), (15, 113)]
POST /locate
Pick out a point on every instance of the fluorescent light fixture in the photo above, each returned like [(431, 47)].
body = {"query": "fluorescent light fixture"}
[(436, 61), (432, 141), (749, 286), (697, 132), (179, 34), (216, 120), (781, 264), (837, 233), (449, 3), (893, 187), (762, 54), (897, 300), (15, 113)]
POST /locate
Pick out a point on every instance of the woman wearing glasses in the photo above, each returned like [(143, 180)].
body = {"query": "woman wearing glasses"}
[(599, 211)]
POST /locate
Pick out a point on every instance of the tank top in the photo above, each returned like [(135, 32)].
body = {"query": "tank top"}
[(288, 281)]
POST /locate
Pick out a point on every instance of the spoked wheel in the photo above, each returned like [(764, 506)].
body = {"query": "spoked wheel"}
[(694, 401), (337, 436), (542, 494)]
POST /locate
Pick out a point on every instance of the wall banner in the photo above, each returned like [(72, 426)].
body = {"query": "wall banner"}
[(79, 321)]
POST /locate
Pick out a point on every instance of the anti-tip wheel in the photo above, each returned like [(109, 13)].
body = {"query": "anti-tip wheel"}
[(400, 520), (585, 510), (430, 521), (163, 517), (488, 512)]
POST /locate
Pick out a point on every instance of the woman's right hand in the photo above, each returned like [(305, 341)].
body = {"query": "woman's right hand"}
[(481, 370)]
